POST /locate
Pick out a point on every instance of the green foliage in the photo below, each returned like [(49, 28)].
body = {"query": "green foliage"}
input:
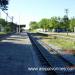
[(7, 29), (4, 4), (33, 25), (72, 24), (2, 33), (64, 23), (60, 42), (8, 26), (3, 22), (44, 24), (53, 22), (11, 27)]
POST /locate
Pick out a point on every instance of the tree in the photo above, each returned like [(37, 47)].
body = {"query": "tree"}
[(53, 23), (8, 26), (66, 23), (3, 4), (44, 24), (33, 25), (61, 24), (11, 27), (72, 24), (3, 22)]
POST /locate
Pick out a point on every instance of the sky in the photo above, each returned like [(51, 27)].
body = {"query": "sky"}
[(25, 11)]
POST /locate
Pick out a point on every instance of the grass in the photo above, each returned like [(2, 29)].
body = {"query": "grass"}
[(63, 43), (33, 31), (2, 33), (72, 35)]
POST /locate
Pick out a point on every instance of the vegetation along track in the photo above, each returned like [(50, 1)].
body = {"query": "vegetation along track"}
[(55, 61)]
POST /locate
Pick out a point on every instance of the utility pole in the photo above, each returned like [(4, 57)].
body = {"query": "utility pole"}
[(12, 19), (19, 24), (0, 14), (13, 30), (6, 17), (66, 12), (0, 24)]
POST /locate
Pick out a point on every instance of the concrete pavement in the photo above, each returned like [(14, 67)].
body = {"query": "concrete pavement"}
[(17, 55)]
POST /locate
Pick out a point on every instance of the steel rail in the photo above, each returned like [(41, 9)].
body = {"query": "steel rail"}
[(54, 60)]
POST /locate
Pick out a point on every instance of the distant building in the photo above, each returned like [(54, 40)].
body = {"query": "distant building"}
[(21, 28), (1, 28), (59, 30)]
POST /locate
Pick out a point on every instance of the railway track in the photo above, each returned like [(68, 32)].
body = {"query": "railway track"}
[(59, 36), (44, 62), (53, 60)]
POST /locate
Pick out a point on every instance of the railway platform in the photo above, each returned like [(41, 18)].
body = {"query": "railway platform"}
[(17, 55)]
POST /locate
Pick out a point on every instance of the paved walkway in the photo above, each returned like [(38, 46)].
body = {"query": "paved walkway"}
[(17, 55)]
